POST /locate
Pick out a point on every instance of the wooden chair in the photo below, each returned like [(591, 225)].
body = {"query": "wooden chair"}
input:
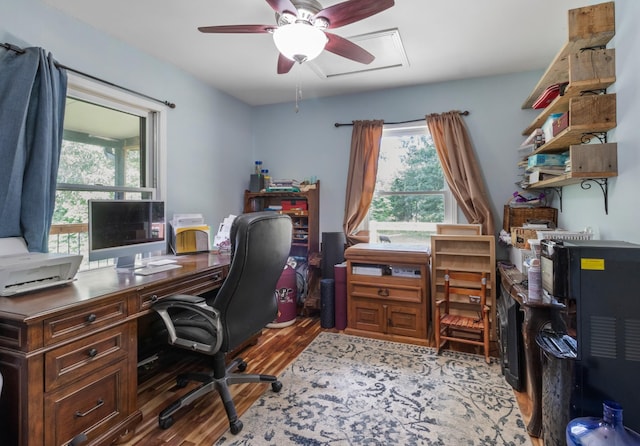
[(472, 288)]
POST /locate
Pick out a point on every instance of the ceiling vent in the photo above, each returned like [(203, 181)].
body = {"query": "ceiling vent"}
[(386, 46)]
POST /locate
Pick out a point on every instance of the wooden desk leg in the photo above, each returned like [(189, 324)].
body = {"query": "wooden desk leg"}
[(534, 320)]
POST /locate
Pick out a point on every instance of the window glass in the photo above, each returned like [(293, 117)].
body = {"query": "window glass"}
[(411, 195), (109, 151)]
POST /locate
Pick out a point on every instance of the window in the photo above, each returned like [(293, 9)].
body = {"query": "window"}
[(411, 195), (112, 148)]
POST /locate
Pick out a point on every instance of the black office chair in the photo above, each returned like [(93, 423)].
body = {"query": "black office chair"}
[(242, 307)]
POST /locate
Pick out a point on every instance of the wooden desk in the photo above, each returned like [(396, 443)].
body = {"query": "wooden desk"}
[(536, 316), (68, 355)]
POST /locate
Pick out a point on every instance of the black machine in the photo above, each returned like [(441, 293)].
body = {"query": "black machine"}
[(595, 340)]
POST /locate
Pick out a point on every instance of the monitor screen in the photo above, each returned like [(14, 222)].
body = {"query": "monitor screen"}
[(123, 229)]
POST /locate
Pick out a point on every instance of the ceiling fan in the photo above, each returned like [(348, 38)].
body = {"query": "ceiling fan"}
[(300, 31)]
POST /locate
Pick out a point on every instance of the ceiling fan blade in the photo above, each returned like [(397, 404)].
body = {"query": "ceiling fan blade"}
[(242, 29), (352, 11), (284, 64), (345, 48), (281, 6)]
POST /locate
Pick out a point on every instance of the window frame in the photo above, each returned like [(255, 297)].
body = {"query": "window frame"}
[(450, 205), (156, 117), (155, 159)]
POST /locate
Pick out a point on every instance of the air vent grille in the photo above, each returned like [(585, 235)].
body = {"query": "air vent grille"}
[(603, 337), (632, 339)]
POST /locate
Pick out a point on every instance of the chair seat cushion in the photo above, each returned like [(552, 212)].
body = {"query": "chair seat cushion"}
[(193, 327), (466, 322)]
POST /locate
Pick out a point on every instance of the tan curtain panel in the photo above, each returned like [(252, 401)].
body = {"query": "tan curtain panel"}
[(460, 167), (361, 177)]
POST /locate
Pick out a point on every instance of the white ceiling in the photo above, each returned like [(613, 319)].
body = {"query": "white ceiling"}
[(443, 40)]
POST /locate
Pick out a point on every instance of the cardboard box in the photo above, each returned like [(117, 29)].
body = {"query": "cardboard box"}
[(560, 124), (547, 160), (520, 237)]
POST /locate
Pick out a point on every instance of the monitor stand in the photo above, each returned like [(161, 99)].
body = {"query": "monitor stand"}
[(126, 263)]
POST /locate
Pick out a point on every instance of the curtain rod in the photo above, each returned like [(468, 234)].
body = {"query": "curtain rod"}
[(19, 50), (342, 124)]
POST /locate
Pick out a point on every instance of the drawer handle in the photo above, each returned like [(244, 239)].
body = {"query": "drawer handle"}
[(99, 403), (154, 298), (92, 318), (384, 292), (92, 353)]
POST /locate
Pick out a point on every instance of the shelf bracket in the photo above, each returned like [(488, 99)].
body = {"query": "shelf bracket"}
[(558, 191), (604, 187)]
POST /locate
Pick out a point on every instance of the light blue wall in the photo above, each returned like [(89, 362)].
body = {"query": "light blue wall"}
[(209, 139), (213, 138), (306, 143)]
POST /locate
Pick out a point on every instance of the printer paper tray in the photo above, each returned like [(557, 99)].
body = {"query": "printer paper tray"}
[(29, 287)]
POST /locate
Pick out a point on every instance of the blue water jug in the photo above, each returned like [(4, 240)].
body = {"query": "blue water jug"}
[(607, 430)]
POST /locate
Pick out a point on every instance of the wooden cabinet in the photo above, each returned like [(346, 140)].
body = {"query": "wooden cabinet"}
[(388, 292), (472, 253), (302, 207), (588, 68)]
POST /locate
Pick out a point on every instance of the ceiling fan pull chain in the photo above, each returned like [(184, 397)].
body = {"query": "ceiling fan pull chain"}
[(298, 92)]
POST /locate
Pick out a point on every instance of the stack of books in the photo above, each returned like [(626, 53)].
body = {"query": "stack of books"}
[(544, 167), (284, 186)]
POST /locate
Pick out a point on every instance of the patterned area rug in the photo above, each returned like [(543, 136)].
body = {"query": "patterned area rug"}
[(348, 390)]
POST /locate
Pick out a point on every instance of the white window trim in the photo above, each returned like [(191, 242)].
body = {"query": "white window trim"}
[(109, 96)]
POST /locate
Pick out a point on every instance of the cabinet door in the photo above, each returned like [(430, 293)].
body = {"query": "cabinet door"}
[(367, 315), (406, 320)]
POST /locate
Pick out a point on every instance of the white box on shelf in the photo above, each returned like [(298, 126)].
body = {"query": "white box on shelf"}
[(404, 271), (367, 270)]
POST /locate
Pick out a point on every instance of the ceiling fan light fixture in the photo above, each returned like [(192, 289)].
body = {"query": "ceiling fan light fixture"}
[(299, 41)]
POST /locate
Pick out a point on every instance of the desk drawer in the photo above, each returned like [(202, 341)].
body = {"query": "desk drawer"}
[(400, 293), (73, 361), (194, 285), (91, 405), (84, 321)]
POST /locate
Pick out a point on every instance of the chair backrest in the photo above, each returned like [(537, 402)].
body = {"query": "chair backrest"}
[(260, 245), (466, 284)]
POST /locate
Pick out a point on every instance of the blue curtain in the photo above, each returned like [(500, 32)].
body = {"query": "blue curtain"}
[(32, 100)]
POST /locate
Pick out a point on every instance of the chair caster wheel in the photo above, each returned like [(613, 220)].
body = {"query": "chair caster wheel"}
[(235, 427), (165, 423), (242, 366), (276, 386)]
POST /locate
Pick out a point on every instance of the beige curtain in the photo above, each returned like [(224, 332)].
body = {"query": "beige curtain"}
[(460, 167), (361, 177)]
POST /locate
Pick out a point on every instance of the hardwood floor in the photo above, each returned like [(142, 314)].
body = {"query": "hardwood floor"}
[(205, 421)]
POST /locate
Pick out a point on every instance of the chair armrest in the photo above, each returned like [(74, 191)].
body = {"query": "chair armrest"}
[(193, 304)]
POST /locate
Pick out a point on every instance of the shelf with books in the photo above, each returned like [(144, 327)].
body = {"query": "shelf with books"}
[(588, 68)]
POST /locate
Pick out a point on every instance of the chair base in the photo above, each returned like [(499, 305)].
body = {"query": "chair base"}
[(220, 384)]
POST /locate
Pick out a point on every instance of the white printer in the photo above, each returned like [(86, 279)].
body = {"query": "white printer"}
[(22, 272)]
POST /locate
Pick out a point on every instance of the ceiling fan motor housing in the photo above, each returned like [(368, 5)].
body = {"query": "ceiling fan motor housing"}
[(307, 9)]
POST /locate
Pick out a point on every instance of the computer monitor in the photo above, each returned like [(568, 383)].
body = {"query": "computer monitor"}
[(123, 229)]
